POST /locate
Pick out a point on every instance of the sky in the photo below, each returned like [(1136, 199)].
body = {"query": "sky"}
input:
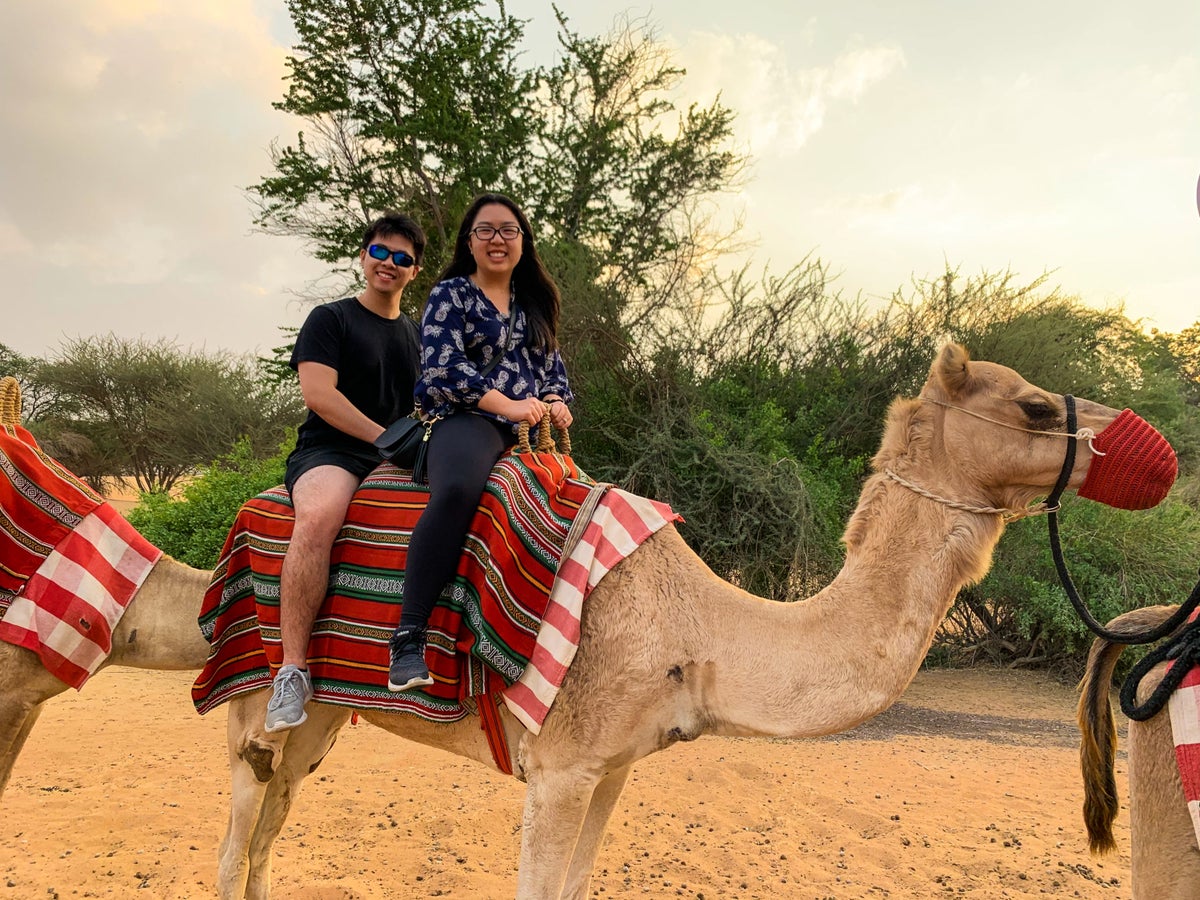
[(888, 139)]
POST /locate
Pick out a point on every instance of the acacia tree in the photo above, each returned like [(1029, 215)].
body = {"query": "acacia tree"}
[(155, 412)]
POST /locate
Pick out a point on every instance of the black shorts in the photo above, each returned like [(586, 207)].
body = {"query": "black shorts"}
[(357, 462)]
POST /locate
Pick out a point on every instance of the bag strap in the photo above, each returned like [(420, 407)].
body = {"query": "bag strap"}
[(486, 370)]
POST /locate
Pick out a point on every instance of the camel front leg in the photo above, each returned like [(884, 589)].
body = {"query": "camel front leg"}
[(595, 823), (25, 686), (16, 721), (253, 758), (556, 802), (306, 747)]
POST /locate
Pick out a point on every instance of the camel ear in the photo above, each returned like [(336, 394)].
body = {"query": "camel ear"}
[(952, 370)]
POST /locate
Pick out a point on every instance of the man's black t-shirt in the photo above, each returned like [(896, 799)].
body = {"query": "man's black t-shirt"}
[(376, 360)]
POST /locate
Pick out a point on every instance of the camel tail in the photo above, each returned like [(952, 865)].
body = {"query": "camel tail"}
[(1098, 729)]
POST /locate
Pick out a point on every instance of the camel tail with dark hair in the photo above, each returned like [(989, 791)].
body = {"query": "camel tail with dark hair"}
[(1098, 729)]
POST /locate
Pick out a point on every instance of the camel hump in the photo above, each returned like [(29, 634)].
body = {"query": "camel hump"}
[(10, 401)]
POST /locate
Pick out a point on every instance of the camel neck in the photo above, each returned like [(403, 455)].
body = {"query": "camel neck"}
[(826, 664), (158, 630)]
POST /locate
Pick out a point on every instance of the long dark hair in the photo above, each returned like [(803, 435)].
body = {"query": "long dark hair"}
[(535, 289)]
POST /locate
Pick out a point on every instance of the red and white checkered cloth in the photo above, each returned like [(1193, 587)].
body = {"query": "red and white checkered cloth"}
[(1184, 708), (620, 523), (67, 609)]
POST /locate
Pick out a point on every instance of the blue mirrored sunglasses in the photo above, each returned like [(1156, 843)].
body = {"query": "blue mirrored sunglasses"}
[(399, 257)]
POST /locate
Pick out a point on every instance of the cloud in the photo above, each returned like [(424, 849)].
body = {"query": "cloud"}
[(114, 107), (944, 215), (132, 129), (856, 70), (779, 107), (12, 241)]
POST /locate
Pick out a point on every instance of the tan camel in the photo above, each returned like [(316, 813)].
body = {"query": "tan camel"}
[(160, 634), (1165, 860), (669, 651), (158, 631)]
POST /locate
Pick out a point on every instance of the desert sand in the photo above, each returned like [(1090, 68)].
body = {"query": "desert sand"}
[(968, 787)]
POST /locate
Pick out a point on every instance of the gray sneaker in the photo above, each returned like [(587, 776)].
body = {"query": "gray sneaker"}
[(291, 689)]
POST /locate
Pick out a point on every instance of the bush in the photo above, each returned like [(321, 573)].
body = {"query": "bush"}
[(1118, 560), (193, 528)]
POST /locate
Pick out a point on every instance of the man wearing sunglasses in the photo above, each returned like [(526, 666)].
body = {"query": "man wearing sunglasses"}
[(358, 360)]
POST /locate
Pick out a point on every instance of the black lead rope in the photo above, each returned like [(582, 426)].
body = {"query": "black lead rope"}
[(1184, 648)]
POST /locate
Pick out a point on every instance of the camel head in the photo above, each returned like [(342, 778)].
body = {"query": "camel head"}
[(981, 434)]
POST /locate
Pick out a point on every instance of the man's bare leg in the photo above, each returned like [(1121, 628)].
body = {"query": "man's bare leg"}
[(320, 498)]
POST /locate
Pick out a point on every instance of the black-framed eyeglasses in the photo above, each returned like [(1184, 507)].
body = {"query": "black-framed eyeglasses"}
[(399, 257), (487, 232)]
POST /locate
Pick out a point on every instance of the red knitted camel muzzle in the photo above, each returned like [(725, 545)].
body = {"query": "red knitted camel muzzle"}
[(1138, 466)]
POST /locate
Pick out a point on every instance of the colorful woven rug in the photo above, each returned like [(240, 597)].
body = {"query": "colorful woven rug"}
[(1184, 707), (69, 562), (487, 625)]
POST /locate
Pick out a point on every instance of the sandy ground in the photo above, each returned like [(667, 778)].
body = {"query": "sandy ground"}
[(969, 787)]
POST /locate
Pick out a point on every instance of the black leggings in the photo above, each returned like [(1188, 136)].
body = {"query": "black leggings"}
[(462, 450)]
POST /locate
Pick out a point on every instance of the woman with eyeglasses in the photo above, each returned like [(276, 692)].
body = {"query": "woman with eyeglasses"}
[(358, 362), (489, 361)]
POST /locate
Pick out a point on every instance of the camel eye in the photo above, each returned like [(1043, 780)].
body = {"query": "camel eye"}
[(1039, 411)]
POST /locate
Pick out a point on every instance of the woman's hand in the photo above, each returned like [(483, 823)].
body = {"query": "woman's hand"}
[(560, 414), (528, 410)]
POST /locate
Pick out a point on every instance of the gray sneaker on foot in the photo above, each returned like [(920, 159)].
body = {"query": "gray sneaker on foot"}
[(291, 689)]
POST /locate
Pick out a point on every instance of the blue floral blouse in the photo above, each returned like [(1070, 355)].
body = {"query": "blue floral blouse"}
[(460, 333)]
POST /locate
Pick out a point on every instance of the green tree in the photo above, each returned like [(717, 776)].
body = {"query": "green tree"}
[(421, 104), (704, 422), (409, 104), (1185, 347), (155, 412), (276, 367), (615, 167)]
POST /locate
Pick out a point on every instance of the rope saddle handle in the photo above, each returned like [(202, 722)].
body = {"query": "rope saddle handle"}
[(10, 401), (545, 442)]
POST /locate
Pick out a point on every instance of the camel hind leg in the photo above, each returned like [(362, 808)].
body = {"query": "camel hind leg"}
[(25, 686), (267, 771)]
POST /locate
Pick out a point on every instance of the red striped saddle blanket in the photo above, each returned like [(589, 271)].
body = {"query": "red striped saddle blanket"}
[(507, 625), (1184, 709), (69, 563)]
